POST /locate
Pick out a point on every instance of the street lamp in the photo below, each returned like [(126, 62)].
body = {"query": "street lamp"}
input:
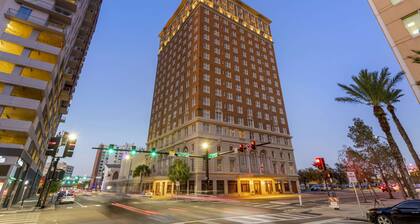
[(72, 136), (128, 157)]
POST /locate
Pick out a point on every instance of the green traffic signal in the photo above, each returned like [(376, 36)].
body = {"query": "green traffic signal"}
[(111, 148), (133, 150), (153, 152)]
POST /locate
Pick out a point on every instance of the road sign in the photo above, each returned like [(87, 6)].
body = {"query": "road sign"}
[(352, 177)]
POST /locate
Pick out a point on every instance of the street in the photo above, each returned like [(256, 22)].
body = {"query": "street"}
[(97, 208)]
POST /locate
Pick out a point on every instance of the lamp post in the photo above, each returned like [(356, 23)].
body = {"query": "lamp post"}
[(24, 191), (127, 157), (205, 147)]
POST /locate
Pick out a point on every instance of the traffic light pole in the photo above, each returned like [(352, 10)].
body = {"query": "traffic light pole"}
[(205, 157), (45, 195), (206, 160)]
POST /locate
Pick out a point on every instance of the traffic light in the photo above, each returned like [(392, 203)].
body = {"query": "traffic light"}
[(153, 152), (252, 145), (241, 148), (69, 149), (133, 150), (53, 145), (111, 149), (319, 163)]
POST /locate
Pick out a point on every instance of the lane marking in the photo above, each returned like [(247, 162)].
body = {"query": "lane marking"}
[(133, 209), (324, 221), (80, 204)]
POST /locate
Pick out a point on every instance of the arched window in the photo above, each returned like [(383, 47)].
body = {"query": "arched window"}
[(254, 162)]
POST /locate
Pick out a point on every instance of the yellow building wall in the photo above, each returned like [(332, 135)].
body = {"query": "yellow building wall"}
[(51, 39), (1, 87), (18, 114), (10, 47), (12, 137), (6, 67), (18, 29), (42, 56), (36, 74), (29, 93)]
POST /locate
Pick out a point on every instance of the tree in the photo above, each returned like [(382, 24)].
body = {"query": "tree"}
[(55, 186), (141, 171), (368, 89), (308, 175), (392, 96), (416, 58), (339, 174), (376, 153), (179, 171)]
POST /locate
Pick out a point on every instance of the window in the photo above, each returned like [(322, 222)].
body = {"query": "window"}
[(409, 205), (206, 66), (244, 186), (232, 165), (206, 114), (219, 164), (412, 24), (206, 101), (219, 116), (24, 13)]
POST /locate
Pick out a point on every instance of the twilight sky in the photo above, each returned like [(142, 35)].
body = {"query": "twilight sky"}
[(318, 43)]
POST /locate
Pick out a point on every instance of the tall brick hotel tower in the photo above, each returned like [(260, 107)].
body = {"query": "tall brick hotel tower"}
[(217, 83)]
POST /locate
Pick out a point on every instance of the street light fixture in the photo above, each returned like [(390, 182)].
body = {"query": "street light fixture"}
[(205, 145), (72, 136)]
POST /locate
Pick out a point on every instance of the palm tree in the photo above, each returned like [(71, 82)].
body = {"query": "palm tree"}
[(392, 96), (416, 59), (141, 171), (368, 89)]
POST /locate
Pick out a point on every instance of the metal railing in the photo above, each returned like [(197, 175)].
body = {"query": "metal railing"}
[(34, 19)]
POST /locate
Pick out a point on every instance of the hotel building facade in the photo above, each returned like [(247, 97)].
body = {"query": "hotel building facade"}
[(43, 44), (400, 22), (217, 82)]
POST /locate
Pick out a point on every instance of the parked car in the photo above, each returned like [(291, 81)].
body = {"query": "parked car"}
[(315, 188), (406, 212), (66, 197)]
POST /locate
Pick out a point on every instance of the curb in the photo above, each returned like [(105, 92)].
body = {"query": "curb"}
[(17, 211)]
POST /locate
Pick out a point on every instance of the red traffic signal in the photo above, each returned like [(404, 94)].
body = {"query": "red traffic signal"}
[(54, 143), (241, 148), (252, 145), (319, 163)]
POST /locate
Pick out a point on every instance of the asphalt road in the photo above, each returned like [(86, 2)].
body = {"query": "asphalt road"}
[(98, 209)]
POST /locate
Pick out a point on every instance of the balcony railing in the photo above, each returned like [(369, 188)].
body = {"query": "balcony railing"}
[(50, 6), (34, 20)]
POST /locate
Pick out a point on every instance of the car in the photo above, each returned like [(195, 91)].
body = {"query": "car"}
[(406, 212), (67, 197), (315, 188)]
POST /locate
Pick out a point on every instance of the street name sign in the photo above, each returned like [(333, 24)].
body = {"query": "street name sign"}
[(352, 177)]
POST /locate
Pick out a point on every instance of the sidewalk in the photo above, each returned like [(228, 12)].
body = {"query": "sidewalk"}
[(347, 210), (29, 205)]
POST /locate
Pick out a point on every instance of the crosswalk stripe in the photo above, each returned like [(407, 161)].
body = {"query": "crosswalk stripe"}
[(255, 219)]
